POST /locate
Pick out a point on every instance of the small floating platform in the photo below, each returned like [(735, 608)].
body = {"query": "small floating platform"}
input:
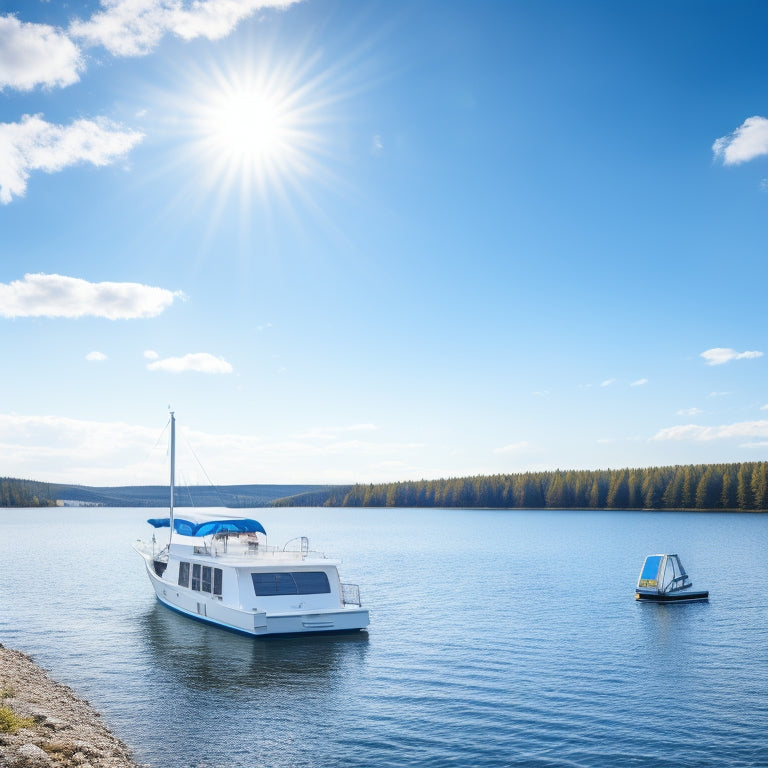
[(664, 580)]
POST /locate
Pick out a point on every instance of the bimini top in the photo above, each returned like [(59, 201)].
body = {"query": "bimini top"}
[(207, 527)]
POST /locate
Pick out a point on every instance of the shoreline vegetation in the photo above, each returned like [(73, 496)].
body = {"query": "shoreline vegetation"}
[(44, 724), (735, 487)]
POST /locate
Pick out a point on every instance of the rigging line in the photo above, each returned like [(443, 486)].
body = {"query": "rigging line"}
[(152, 450), (210, 482), (189, 490)]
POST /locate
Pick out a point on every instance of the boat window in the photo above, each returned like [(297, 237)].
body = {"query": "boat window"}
[(183, 574), (296, 583), (217, 581), (284, 584), (312, 582), (196, 576), (205, 585)]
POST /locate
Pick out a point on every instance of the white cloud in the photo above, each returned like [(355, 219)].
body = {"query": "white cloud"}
[(66, 450), (639, 383), (721, 355), (706, 434), (689, 412), (150, 354), (607, 382), (95, 356), (748, 141), (202, 362), (135, 27), (59, 296), (519, 447), (35, 145), (764, 407), (36, 54)]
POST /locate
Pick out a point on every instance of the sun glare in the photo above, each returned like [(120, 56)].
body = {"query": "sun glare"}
[(254, 127), (249, 127)]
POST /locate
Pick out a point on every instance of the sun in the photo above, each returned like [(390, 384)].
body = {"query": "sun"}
[(250, 129), (250, 125), (254, 127)]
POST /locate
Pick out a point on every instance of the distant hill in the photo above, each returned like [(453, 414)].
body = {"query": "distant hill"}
[(184, 496)]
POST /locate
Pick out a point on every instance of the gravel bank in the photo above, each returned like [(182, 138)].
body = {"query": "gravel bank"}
[(45, 725)]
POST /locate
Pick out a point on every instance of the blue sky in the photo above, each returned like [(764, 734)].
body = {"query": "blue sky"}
[(361, 241)]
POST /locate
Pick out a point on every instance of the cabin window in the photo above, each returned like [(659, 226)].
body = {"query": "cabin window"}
[(205, 584), (296, 583), (204, 578), (311, 582), (196, 576)]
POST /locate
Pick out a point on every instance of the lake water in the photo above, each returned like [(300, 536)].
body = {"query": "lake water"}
[(497, 638)]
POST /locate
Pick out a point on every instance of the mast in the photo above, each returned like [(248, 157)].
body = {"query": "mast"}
[(173, 469)]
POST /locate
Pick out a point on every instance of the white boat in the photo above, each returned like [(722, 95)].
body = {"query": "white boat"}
[(664, 580), (219, 569)]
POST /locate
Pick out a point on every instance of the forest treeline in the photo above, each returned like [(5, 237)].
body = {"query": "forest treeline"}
[(742, 486), (25, 493)]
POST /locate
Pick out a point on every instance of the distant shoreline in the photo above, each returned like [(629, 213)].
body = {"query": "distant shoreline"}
[(46, 724)]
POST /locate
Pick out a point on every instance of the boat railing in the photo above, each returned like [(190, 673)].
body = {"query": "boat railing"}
[(350, 594), (257, 550)]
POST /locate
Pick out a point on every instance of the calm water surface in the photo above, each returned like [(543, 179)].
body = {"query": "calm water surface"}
[(497, 639)]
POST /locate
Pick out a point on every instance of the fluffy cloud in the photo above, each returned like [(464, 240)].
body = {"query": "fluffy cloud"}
[(720, 355), (60, 296), (201, 362), (36, 54), (705, 434), (135, 27), (748, 141), (95, 356), (35, 145)]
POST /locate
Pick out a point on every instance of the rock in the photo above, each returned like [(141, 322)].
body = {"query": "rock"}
[(31, 756), (65, 732)]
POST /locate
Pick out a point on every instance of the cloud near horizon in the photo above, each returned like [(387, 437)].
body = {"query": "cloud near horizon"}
[(68, 450), (721, 355), (748, 141), (699, 433), (36, 145), (201, 362), (41, 295)]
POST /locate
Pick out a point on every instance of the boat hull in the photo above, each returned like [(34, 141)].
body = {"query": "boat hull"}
[(674, 597), (256, 623)]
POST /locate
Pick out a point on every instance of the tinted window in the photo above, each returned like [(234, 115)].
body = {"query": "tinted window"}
[(217, 581), (264, 583), (205, 584), (196, 576), (311, 582), (296, 583), (285, 584), (183, 574)]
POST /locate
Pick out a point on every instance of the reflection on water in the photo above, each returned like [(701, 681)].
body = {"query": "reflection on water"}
[(200, 656)]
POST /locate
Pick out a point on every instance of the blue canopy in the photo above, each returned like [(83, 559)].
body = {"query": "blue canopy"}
[(207, 527)]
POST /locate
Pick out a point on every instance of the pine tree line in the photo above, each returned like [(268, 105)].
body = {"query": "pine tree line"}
[(741, 486), (25, 493)]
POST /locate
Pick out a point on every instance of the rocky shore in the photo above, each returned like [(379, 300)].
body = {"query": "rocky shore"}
[(44, 724)]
